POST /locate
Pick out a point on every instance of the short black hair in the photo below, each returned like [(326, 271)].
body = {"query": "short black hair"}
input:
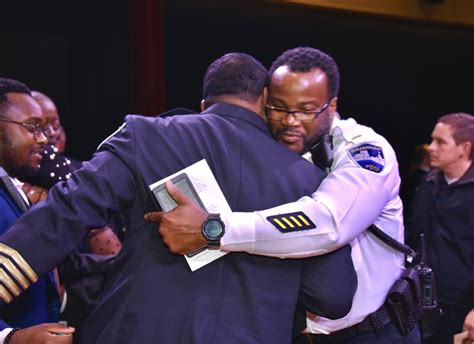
[(304, 59), (10, 86), (234, 74)]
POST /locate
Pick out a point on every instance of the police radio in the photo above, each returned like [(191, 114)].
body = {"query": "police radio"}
[(426, 275), (428, 292), (413, 299), (431, 312)]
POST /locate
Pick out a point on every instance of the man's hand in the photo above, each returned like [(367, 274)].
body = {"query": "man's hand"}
[(469, 325), (104, 242), (43, 334), (180, 227), (34, 193)]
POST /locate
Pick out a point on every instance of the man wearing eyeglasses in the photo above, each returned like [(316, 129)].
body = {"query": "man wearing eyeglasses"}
[(360, 189), (22, 135)]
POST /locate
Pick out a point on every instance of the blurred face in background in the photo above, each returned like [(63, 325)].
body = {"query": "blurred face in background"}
[(56, 134)]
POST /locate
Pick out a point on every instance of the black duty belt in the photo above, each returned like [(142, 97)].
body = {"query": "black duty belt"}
[(373, 322)]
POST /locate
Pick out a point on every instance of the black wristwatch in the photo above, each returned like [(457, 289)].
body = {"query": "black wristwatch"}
[(213, 230)]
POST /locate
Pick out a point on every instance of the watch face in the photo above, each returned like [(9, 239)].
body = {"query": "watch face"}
[(213, 228)]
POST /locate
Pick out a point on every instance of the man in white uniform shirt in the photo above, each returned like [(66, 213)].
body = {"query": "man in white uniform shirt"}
[(360, 190)]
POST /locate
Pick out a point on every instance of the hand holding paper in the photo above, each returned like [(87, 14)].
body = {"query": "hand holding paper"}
[(180, 228), (195, 188)]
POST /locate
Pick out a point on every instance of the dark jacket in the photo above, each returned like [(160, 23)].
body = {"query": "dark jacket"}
[(445, 213), (151, 296), (40, 303)]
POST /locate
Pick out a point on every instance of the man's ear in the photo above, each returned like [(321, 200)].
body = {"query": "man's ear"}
[(466, 149), (263, 102), (203, 105), (333, 105), (265, 96)]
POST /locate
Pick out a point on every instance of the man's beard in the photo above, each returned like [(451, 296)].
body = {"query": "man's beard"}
[(10, 162), (309, 140)]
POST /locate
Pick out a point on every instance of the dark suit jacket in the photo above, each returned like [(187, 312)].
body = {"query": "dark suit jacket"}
[(40, 303), (151, 296)]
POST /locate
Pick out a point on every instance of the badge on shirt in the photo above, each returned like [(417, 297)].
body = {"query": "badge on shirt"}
[(368, 156), (291, 222)]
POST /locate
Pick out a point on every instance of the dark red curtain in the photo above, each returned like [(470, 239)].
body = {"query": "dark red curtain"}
[(147, 57)]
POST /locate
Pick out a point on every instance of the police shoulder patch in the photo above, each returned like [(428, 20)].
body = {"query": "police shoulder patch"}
[(291, 222), (368, 156)]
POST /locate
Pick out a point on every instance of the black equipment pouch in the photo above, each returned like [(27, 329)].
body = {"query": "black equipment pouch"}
[(403, 301), (413, 297)]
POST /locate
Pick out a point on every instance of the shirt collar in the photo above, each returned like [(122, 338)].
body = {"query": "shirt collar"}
[(19, 187), (468, 177), (238, 112)]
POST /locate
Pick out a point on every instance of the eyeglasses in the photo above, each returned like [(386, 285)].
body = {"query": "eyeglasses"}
[(35, 128), (304, 116)]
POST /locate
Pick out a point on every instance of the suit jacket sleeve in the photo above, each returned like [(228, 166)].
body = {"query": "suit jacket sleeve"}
[(52, 229), (9, 213)]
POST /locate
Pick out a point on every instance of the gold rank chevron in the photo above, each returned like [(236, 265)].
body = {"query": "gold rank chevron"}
[(5, 295), (9, 283), (15, 273), (291, 222)]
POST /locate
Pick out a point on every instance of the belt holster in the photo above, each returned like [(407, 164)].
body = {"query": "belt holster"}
[(404, 301), (413, 297)]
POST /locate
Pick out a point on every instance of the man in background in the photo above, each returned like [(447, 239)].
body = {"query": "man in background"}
[(56, 133), (443, 211), (56, 167)]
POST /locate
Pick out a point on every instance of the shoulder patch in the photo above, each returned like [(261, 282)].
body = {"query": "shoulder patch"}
[(291, 222), (368, 156)]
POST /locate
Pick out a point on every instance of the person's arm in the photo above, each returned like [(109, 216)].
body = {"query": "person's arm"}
[(345, 204), (43, 333), (348, 200), (52, 229)]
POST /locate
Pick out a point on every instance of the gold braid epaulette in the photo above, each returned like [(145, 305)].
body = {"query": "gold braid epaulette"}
[(15, 274)]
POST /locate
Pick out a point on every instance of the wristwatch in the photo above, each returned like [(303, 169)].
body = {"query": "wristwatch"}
[(213, 230)]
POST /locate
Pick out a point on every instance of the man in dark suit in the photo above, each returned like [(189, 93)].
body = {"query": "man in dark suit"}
[(21, 137), (150, 294)]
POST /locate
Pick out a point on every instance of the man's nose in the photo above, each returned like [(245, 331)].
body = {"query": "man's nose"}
[(290, 120), (431, 146), (41, 138)]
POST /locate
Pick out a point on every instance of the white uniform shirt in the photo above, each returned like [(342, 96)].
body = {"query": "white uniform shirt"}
[(361, 189)]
